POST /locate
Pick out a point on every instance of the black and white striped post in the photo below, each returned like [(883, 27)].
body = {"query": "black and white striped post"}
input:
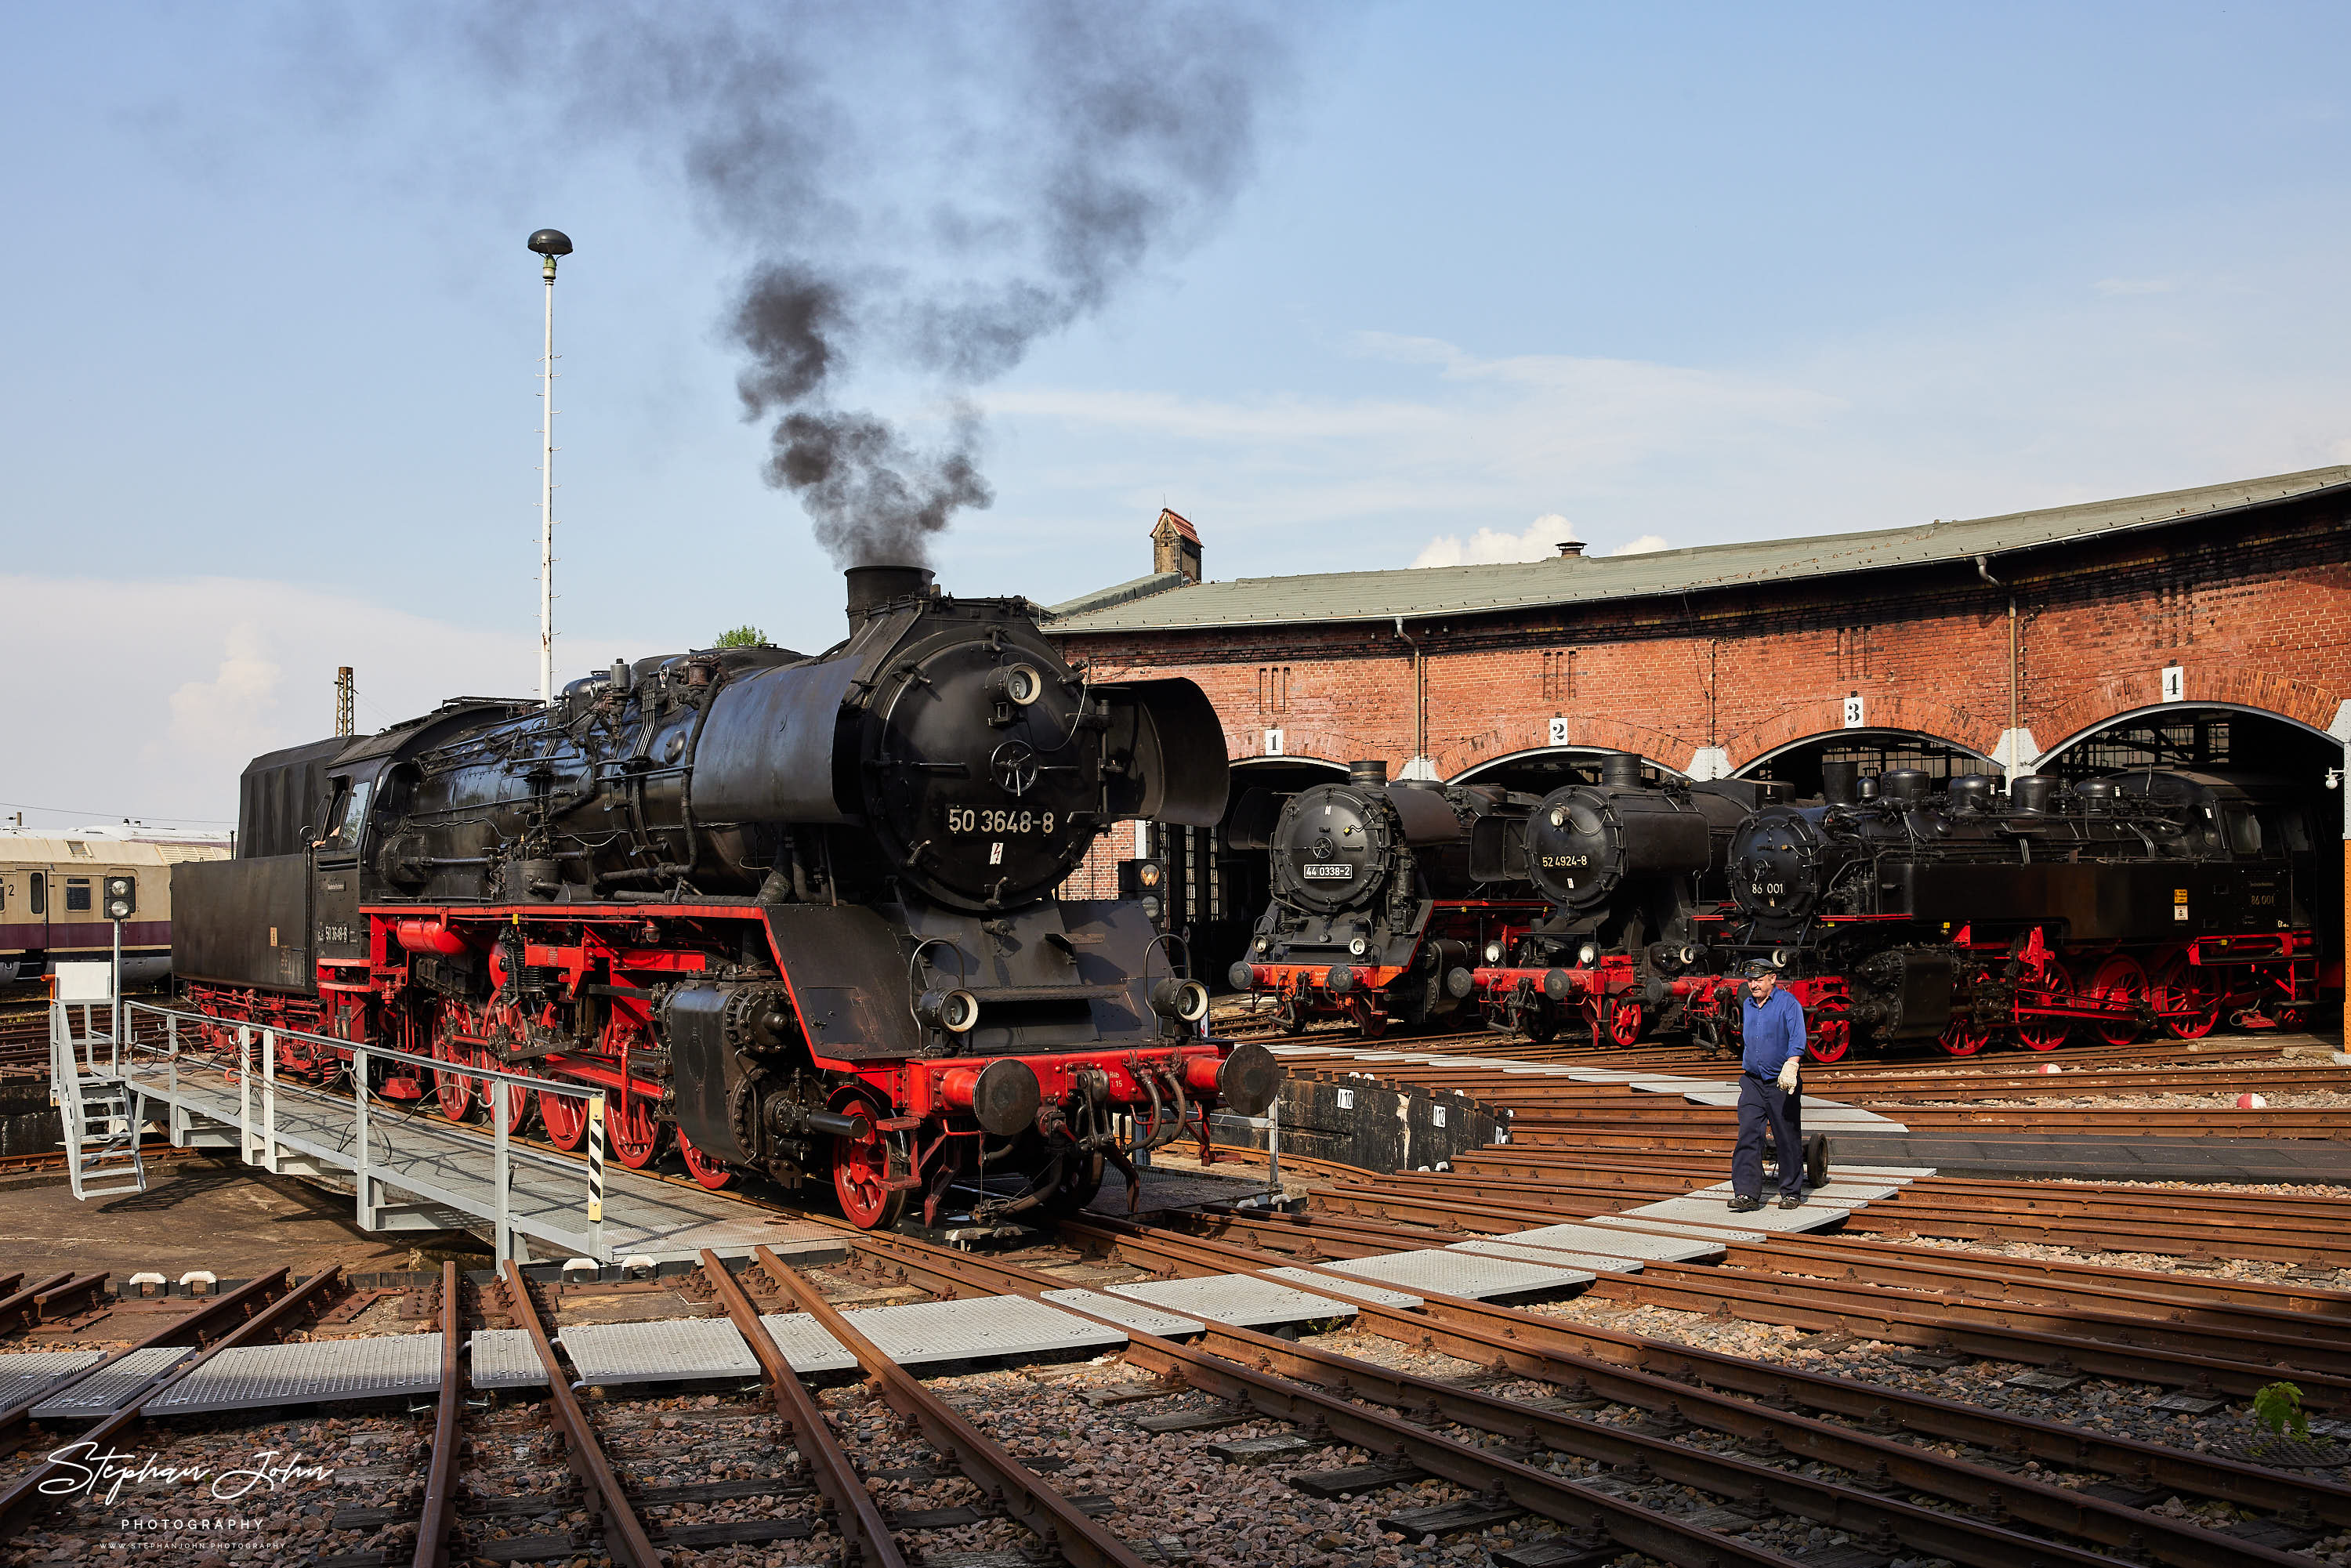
[(596, 1176)]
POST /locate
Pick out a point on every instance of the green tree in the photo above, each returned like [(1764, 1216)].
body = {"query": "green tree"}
[(743, 637)]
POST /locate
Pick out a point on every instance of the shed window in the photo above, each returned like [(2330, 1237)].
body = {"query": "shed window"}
[(76, 895)]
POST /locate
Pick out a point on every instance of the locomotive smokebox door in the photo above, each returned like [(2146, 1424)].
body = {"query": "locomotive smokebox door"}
[(1146, 882)]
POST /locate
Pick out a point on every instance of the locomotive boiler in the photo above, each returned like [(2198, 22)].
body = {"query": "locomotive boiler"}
[(2152, 899), (1375, 902), (1633, 877), (795, 912)]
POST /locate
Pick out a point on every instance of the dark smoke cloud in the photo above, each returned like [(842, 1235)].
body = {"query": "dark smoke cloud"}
[(922, 188)]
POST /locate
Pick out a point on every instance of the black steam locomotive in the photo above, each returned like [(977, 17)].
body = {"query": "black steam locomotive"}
[(2119, 905), (1377, 900), (797, 910), (1633, 877)]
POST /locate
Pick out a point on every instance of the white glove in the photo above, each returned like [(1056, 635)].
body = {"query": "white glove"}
[(1788, 1076)]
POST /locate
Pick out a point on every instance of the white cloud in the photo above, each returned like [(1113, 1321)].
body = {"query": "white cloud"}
[(1485, 547), (1642, 546), (233, 715)]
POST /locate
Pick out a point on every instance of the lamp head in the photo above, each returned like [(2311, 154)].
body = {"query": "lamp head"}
[(551, 242)]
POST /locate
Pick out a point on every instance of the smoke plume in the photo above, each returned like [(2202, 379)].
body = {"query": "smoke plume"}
[(922, 193)]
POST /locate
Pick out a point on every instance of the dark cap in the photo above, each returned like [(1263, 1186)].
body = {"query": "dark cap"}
[(1754, 968)]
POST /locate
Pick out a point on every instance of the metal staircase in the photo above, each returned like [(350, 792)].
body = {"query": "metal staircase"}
[(100, 1113)]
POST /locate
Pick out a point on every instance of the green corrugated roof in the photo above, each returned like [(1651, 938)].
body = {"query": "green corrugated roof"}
[(1419, 591)]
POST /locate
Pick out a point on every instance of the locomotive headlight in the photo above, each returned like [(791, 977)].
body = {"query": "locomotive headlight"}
[(1585, 954), (1493, 951), (953, 1010), (1185, 1001), (1358, 946), (1265, 943), (1148, 874), (1019, 684), (1779, 958), (1688, 956)]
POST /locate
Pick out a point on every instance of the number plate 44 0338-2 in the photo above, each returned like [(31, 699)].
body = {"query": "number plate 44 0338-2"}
[(1331, 871)]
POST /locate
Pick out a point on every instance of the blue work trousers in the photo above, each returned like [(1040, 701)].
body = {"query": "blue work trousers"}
[(1762, 1106)]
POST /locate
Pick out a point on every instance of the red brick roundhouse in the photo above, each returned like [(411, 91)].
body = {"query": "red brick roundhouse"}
[(2197, 628)]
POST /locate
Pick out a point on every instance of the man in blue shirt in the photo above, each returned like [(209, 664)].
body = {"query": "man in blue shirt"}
[(1772, 1037)]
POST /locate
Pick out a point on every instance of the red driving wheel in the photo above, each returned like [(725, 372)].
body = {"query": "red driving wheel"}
[(2191, 994), (709, 1172), (454, 1090), (1625, 1020), (2056, 987), (2119, 982), (564, 1119), (1828, 1033), (863, 1168), (1961, 1038), (630, 1129)]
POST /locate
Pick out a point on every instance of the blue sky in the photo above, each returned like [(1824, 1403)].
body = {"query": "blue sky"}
[(1677, 274)]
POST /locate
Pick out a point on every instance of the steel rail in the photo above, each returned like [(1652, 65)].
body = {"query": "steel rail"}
[(1477, 1331), (1008, 1482), (21, 1304), (1233, 1354), (1966, 1282), (26, 1500), (2181, 1240), (433, 1528), (1537, 1491), (1932, 1326), (856, 1514), (1707, 1289), (624, 1534), (238, 1305)]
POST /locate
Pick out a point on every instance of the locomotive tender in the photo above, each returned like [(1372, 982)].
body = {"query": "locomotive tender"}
[(797, 910), (2148, 899)]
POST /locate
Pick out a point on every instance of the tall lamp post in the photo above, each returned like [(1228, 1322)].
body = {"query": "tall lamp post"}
[(550, 244)]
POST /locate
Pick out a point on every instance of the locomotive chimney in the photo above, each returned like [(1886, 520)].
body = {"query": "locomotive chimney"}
[(1371, 771), (1620, 770), (871, 587), (1838, 782)]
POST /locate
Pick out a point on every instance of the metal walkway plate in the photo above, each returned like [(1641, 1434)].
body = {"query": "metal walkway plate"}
[(976, 1327), (103, 1391), (1244, 1300), (1606, 1242), (1844, 1193), (1901, 1175), (1127, 1314), (1441, 1269), (252, 1376), (1354, 1289), (1679, 1230), (682, 1350), (504, 1358), (807, 1347), (35, 1372), (1716, 1210), (1558, 1257)]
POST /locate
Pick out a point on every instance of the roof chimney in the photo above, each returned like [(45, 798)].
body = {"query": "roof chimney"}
[(1175, 546), (1570, 547)]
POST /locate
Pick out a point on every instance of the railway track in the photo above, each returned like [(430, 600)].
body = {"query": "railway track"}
[(1575, 1437)]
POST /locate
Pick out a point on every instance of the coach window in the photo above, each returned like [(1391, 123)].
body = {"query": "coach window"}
[(76, 895), (37, 901)]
